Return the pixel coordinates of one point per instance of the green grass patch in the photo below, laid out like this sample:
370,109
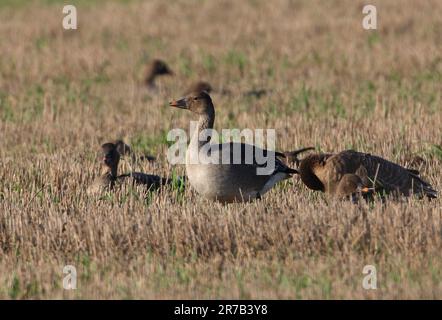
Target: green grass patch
150,144
237,60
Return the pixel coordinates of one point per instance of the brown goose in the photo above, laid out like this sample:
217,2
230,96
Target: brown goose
154,69
227,172
350,172
198,87
205,86
125,150
109,177
257,93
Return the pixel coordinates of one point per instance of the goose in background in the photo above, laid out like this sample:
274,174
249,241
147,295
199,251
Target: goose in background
155,69
207,87
109,177
125,150
198,87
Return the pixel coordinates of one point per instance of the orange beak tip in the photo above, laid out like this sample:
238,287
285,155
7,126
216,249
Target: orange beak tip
181,103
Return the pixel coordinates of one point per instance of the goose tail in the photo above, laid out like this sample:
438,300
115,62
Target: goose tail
430,192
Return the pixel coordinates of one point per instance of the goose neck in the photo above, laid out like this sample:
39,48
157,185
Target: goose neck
199,137
308,175
111,172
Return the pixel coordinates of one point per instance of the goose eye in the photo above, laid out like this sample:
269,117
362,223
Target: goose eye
195,98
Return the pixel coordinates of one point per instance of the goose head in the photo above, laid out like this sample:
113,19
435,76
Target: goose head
156,68
111,156
197,102
350,184
122,148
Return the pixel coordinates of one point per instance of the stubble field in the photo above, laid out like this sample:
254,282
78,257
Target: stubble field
333,86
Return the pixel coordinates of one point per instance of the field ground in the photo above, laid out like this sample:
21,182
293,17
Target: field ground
335,86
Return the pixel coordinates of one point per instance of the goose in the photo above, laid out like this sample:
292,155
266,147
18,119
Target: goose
109,177
154,69
125,150
351,172
207,87
198,87
206,168
257,93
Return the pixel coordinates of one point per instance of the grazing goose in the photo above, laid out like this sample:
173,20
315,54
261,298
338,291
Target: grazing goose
351,172
226,181
154,69
109,177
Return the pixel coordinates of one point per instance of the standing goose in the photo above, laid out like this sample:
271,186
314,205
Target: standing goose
226,172
109,177
154,69
350,172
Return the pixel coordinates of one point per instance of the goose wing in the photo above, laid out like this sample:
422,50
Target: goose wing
330,168
251,155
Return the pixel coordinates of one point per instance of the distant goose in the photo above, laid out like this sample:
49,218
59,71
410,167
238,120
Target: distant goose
351,172
226,182
154,69
109,177
125,150
207,87
257,93
198,87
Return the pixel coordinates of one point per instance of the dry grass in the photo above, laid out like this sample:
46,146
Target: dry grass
336,86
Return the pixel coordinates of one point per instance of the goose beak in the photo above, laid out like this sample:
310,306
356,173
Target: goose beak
367,190
181,103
